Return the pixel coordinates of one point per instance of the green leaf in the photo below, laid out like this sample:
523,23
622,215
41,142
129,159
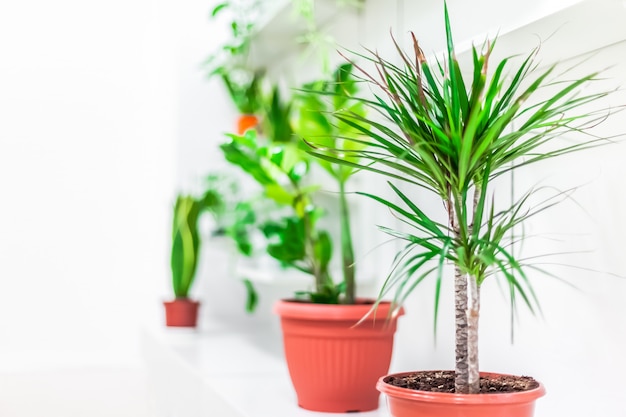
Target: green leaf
252,297
323,249
248,161
289,236
217,9
279,194
185,244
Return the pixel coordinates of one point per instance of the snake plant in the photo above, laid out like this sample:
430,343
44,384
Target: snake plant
185,244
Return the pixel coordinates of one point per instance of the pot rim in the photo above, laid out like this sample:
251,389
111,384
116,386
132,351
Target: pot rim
294,309
181,300
452,398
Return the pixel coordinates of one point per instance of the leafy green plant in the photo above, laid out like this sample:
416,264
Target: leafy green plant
279,165
244,14
244,88
230,61
317,122
185,244
453,139
276,124
232,215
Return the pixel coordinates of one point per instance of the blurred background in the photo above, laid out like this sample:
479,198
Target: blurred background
106,113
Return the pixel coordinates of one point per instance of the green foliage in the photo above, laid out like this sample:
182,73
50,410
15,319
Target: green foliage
185,244
243,15
229,62
244,219
279,167
453,141
252,298
452,136
290,244
245,90
319,105
277,118
218,198
232,217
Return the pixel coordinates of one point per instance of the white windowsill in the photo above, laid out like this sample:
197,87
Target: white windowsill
230,371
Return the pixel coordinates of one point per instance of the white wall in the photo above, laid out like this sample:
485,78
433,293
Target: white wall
87,142
205,112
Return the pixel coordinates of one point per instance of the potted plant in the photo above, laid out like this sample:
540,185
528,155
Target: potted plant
182,311
454,140
330,360
231,217
359,352
317,122
279,165
230,62
244,91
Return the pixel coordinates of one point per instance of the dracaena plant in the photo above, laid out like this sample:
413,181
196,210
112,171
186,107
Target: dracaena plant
317,123
280,165
452,133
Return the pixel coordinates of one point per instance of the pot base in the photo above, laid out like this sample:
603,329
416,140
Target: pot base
181,312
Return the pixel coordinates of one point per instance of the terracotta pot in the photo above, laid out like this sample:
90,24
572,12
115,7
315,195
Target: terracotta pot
333,364
405,402
181,312
245,122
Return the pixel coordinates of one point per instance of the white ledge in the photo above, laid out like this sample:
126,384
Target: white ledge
223,370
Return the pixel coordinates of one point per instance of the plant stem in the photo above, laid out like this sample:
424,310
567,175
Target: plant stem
309,244
472,335
467,380
347,251
466,305
461,369
473,312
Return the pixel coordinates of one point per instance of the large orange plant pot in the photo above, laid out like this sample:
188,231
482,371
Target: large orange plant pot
181,312
403,402
333,364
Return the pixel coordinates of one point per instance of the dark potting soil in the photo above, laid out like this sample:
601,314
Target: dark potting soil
443,381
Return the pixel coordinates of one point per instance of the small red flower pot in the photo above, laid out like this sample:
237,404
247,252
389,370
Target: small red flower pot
181,312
